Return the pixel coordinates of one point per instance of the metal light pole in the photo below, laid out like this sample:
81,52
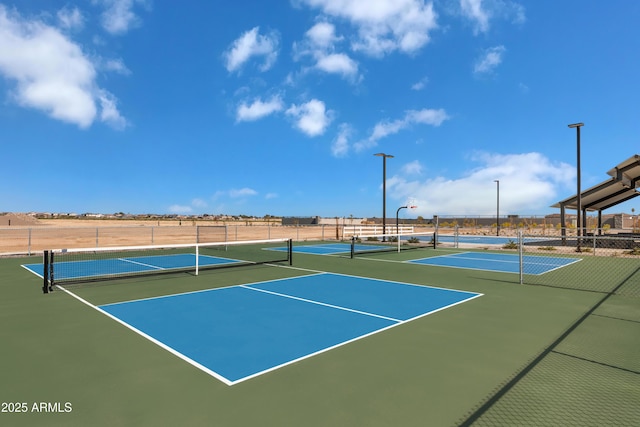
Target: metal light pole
384,190
579,195
497,181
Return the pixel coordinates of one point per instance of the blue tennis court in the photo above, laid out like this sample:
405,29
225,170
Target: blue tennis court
486,240
126,265
507,263
239,332
333,248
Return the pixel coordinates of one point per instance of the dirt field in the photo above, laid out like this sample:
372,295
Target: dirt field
23,234
38,235
17,219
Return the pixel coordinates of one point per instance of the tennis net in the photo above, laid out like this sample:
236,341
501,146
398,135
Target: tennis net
366,244
65,266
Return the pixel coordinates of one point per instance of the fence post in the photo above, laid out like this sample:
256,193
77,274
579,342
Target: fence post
521,255
455,236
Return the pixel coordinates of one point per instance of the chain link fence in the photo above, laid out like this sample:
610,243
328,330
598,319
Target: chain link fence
590,375
32,240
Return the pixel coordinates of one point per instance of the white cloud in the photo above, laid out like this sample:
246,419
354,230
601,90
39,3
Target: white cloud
508,10
118,16
323,34
270,196
481,12
412,168
197,205
312,118
239,194
340,146
529,182
489,60
70,19
426,116
473,10
110,113
385,128
242,192
515,12
319,44
338,63
251,44
52,73
383,25
421,84
117,66
180,209
258,109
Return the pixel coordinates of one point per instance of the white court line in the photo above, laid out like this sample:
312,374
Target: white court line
321,303
515,260
156,267
273,368
228,382
150,338
31,271
139,263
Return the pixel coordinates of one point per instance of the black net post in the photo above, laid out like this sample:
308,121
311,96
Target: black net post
353,246
45,273
51,275
290,250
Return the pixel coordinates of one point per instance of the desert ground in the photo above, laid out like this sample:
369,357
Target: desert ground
23,234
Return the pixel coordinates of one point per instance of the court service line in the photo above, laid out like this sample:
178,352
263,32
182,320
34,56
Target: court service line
365,313
490,260
140,263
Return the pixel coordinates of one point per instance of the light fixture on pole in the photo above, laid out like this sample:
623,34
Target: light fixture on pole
384,189
577,126
497,181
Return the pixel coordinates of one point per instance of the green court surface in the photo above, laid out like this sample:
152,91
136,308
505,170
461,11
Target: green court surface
534,354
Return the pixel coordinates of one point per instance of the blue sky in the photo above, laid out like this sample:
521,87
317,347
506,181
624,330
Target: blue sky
278,107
